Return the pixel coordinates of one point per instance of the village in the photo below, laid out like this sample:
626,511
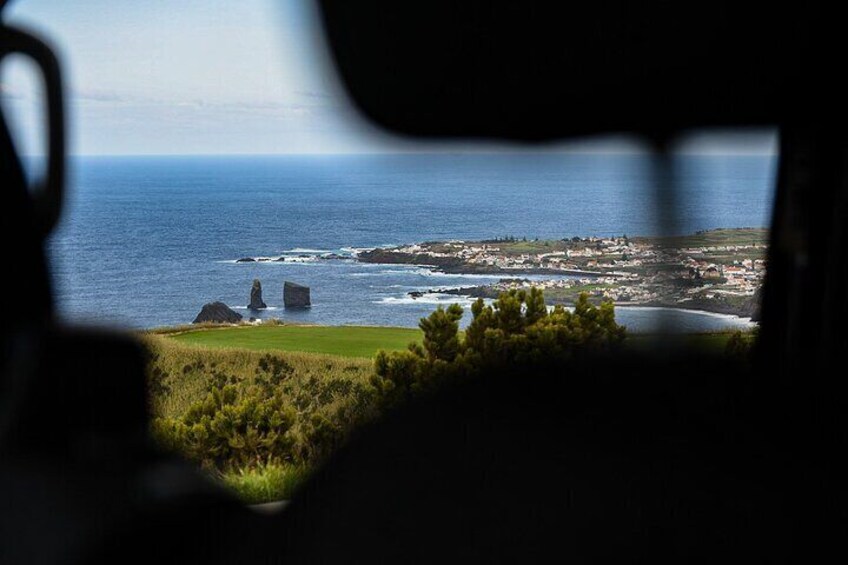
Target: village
717,270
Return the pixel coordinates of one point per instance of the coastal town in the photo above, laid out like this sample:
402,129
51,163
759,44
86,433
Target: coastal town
718,270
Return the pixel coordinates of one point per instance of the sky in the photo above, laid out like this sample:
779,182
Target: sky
164,77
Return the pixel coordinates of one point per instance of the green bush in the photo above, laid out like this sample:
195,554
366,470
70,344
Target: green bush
516,334
241,410
268,423
232,428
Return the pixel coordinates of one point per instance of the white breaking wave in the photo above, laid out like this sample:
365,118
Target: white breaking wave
440,275
307,250
356,250
500,276
255,260
389,272
293,256
485,277
437,299
310,259
432,274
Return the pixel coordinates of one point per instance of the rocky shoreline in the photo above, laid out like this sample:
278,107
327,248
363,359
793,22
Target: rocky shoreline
458,266
746,309
718,271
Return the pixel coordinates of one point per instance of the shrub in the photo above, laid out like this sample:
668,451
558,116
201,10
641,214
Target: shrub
517,333
232,428
241,410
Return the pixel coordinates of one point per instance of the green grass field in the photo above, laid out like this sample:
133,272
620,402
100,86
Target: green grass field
346,341
361,341
718,237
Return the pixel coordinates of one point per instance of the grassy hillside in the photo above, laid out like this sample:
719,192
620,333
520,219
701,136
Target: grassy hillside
326,396
347,341
717,237
706,238
323,396
182,374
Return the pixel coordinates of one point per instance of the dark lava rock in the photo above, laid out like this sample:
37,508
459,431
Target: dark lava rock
296,295
246,260
390,257
217,312
256,296
280,259
482,291
416,294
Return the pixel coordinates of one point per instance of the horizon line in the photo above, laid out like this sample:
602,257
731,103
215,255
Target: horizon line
646,152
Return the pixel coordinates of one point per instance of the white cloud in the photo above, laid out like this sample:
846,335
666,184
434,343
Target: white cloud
94,95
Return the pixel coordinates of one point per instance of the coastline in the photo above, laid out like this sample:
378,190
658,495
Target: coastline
716,271
725,313
181,329
453,266
748,320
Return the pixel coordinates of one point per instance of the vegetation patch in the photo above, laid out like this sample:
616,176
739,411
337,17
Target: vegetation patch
266,483
347,341
252,417
515,334
260,420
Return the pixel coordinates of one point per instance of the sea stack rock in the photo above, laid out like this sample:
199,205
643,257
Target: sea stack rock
217,312
256,296
296,295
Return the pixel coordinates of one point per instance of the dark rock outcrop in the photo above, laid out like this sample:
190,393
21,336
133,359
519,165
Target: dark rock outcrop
482,291
296,295
256,296
217,312
246,260
390,257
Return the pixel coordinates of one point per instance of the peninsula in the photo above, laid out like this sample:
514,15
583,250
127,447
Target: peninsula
718,270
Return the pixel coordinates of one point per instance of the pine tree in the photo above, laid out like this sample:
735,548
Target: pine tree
515,334
441,333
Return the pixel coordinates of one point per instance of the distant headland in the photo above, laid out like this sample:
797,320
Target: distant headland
719,270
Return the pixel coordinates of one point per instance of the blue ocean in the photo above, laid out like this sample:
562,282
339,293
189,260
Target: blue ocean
146,241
